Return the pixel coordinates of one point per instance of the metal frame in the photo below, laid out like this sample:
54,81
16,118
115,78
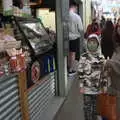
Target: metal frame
62,16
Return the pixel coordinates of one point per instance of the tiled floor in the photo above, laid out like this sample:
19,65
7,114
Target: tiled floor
72,108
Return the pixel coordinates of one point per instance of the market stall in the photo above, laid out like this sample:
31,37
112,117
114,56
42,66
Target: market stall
41,71
30,53
26,46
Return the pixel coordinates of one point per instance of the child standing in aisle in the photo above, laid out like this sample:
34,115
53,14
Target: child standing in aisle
89,70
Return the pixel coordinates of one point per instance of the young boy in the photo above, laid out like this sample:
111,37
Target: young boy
90,67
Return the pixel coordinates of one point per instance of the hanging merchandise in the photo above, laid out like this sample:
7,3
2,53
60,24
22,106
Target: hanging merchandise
7,7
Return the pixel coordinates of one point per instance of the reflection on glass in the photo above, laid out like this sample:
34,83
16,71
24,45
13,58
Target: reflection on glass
36,27
37,36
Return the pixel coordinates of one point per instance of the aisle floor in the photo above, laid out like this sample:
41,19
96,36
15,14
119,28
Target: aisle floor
72,109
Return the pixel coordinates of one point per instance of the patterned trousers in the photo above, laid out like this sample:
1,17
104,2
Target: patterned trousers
90,111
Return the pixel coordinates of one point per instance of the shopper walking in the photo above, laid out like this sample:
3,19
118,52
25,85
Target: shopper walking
114,65
93,28
89,71
75,30
102,22
106,39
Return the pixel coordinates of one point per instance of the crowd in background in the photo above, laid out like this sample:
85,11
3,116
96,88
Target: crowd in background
100,36
108,32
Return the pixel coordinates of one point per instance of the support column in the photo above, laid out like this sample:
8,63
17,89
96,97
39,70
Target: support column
62,17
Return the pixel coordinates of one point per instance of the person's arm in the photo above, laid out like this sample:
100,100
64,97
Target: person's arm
81,31
80,25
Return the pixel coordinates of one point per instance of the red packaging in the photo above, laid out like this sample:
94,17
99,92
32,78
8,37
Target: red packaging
21,59
13,63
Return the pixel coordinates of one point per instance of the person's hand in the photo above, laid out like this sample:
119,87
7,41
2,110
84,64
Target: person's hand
82,90
107,66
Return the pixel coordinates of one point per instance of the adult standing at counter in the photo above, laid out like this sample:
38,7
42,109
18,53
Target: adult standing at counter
75,33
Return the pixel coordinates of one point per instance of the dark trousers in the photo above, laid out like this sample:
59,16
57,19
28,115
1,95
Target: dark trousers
77,57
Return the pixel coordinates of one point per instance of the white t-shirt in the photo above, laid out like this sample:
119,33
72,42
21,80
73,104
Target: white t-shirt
75,26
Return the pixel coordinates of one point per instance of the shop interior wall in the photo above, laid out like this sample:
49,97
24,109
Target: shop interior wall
47,17
86,13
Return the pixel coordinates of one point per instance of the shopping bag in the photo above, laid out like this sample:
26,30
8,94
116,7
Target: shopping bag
106,106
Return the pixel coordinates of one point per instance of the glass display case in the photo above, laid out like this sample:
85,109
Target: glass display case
35,35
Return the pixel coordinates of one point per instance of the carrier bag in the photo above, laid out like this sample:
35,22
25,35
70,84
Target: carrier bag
106,106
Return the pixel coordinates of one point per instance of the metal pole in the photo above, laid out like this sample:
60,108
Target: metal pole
62,16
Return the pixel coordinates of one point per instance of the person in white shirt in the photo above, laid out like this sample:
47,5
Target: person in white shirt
75,31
